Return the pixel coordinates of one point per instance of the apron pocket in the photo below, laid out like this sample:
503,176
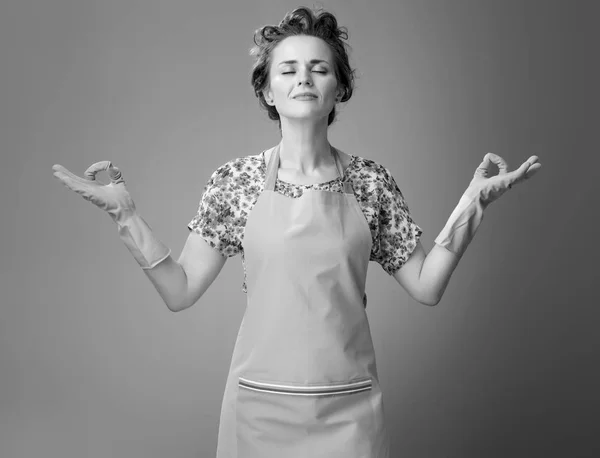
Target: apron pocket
307,390
276,420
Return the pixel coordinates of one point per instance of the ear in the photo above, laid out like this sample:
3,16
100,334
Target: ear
268,95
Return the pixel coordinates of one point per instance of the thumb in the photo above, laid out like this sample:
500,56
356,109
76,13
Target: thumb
115,174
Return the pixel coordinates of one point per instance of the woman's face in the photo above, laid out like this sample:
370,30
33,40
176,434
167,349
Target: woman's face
301,64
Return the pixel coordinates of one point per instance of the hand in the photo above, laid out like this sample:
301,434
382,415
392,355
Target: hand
490,189
113,197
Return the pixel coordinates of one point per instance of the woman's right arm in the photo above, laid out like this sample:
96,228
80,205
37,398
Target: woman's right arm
181,283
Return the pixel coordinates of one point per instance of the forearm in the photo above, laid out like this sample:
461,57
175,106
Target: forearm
170,280
437,269
154,257
450,245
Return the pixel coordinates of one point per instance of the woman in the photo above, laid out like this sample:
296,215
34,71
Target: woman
307,218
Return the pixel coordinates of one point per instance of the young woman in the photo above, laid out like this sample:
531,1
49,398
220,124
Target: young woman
307,219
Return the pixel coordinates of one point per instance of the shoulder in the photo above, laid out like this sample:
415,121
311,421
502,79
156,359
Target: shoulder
369,166
369,172
235,169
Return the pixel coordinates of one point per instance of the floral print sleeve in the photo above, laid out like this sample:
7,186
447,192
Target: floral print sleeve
216,220
397,234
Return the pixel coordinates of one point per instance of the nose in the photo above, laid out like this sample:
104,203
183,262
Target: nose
304,77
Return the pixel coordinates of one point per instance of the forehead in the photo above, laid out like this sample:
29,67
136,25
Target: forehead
301,48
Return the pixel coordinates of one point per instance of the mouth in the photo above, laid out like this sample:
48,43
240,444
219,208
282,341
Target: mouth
305,97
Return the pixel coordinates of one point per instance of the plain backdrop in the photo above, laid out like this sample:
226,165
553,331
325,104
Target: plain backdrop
93,364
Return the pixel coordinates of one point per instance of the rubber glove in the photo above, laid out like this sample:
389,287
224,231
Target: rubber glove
482,191
114,198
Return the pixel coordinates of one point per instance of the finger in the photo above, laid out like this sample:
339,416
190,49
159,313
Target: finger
500,163
66,176
489,158
483,169
532,159
516,176
93,169
532,170
76,184
115,175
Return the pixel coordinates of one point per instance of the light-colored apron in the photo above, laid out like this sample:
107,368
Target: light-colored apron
303,380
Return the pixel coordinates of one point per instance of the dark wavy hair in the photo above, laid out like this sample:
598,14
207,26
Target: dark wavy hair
301,21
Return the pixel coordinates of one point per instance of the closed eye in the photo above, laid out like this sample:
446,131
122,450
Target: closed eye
316,71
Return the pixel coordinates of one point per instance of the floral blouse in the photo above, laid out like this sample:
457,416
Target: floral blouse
234,188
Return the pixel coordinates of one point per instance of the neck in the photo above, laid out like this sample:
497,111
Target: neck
304,145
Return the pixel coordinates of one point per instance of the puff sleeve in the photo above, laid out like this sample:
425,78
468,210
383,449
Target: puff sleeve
215,220
397,234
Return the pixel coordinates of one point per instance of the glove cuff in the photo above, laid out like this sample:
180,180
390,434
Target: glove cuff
137,236
462,225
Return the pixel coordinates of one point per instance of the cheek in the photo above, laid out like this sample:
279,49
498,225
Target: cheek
278,84
331,87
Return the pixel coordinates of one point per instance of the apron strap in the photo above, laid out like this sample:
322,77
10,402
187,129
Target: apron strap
273,166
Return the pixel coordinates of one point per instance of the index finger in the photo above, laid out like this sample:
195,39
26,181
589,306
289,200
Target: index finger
500,163
93,169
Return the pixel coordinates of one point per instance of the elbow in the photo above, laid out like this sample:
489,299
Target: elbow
173,308
430,295
437,299
434,302
430,300
430,303
176,307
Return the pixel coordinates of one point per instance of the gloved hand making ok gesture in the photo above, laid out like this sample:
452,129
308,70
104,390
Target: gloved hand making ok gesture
488,189
482,191
114,198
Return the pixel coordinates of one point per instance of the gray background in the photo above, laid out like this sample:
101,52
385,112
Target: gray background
92,363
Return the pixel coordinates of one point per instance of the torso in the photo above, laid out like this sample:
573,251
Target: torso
235,187
329,173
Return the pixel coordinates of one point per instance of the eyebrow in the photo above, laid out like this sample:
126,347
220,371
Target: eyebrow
313,61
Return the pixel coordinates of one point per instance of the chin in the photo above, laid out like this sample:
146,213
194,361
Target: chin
305,115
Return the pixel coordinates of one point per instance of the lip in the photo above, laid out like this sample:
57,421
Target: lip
306,94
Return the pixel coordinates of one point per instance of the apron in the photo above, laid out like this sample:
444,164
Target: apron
303,380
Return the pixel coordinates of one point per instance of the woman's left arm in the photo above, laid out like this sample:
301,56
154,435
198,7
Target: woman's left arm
426,276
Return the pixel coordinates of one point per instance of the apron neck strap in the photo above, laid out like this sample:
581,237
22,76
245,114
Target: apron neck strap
273,166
